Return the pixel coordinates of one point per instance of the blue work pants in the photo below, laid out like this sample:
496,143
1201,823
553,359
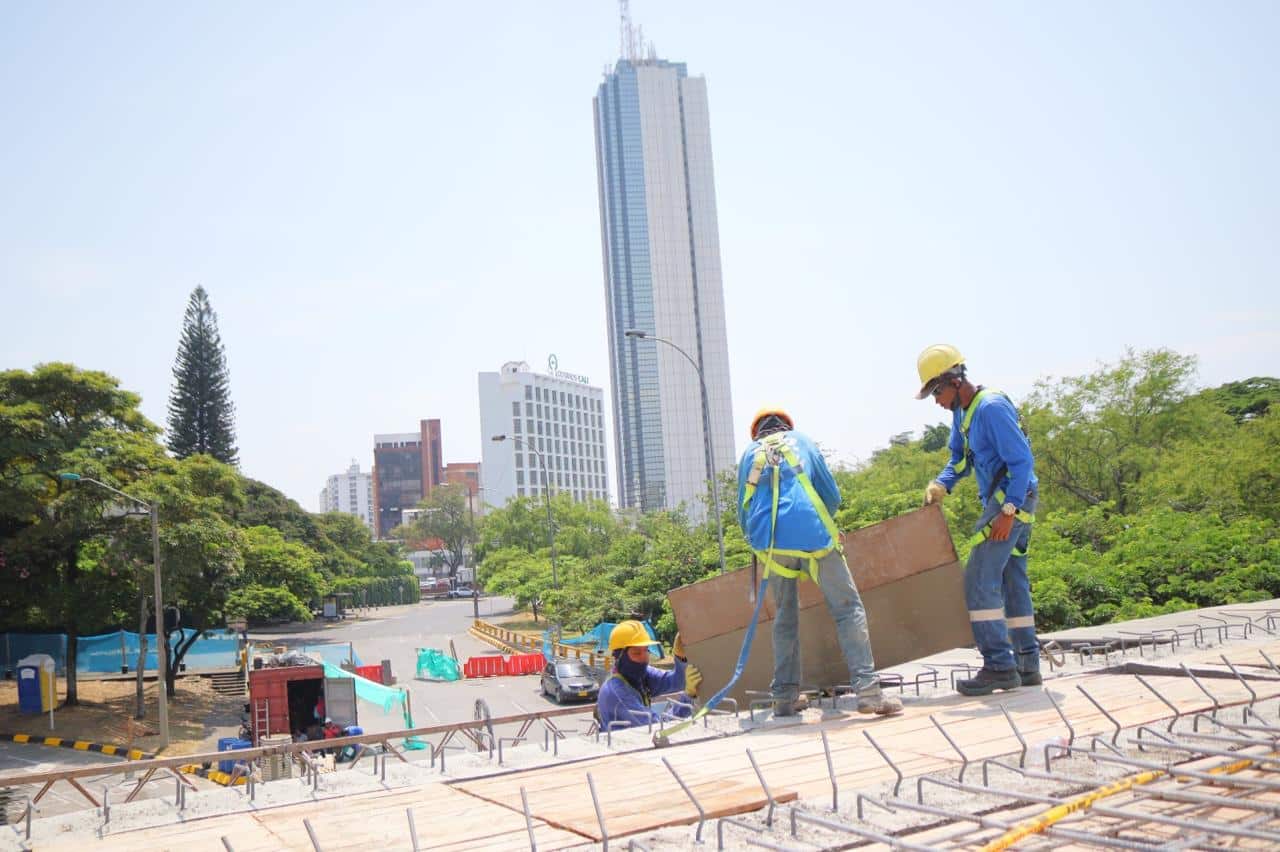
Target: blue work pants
998,595
845,605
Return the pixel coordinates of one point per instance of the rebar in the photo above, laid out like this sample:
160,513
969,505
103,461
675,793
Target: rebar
861,797
226,844
595,800
311,832
1112,719
413,829
702,815
897,786
528,820
1198,825
1177,714
106,805
964,759
1022,759
740,823
798,816
831,773
1071,732
768,820
1253,696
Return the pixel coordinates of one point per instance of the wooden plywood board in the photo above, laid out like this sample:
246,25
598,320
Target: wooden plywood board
921,614
444,819
635,794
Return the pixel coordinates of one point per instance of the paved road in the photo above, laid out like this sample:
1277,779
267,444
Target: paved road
394,633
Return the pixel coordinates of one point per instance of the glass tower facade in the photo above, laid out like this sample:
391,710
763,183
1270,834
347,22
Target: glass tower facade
661,258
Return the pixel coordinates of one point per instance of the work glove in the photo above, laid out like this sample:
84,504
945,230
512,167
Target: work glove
677,648
692,680
934,493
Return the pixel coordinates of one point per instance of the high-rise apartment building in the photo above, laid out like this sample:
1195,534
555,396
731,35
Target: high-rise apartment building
407,467
350,492
556,420
662,276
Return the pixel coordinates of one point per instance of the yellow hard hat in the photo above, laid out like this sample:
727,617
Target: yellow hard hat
766,412
933,362
629,634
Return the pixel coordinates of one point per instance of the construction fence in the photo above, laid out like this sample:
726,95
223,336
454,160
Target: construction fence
114,653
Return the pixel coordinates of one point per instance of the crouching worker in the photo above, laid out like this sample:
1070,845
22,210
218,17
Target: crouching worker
626,698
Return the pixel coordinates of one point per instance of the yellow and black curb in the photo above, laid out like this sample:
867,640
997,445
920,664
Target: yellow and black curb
217,776
79,745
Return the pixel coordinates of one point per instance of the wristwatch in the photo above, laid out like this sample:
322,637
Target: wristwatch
1009,509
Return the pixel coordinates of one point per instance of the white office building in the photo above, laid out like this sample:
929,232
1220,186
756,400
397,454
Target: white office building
350,492
554,419
661,249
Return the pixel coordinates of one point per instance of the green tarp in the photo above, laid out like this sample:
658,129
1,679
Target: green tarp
435,665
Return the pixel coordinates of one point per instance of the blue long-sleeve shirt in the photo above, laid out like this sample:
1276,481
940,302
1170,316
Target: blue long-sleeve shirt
996,440
619,701
799,525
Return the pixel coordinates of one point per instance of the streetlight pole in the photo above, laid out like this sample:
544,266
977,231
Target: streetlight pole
546,491
637,334
162,643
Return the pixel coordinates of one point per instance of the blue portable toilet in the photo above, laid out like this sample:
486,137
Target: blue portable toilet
37,684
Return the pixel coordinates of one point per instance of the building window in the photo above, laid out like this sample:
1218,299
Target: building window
515,409
519,459
519,477
528,409
515,425
528,391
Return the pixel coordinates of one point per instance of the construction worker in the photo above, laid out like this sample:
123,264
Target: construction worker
987,439
626,698
786,497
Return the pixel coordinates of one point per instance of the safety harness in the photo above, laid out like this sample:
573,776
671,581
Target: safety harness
961,466
773,451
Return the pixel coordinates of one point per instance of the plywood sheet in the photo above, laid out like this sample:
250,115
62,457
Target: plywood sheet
921,614
635,794
444,819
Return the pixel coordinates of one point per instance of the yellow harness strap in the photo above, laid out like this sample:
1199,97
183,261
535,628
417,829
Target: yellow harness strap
775,449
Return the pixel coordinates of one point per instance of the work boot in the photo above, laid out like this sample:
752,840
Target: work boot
988,681
783,707
1031,678
875,701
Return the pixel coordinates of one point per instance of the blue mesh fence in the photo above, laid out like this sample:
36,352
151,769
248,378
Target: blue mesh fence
18,645
108,652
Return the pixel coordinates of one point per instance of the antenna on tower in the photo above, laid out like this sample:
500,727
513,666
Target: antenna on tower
626,32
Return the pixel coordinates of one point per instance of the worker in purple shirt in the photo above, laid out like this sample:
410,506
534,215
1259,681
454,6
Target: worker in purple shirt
626,698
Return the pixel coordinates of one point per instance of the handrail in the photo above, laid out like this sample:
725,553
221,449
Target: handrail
283,748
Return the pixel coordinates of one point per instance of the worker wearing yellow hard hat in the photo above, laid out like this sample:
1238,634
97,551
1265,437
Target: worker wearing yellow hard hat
786,496
626,697
987,439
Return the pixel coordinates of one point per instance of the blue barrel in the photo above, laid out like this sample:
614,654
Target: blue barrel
230,744
353,731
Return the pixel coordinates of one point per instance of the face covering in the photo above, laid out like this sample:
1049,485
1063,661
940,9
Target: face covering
630,669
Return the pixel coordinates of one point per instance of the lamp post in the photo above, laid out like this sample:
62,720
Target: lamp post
546,490
637,334
162,644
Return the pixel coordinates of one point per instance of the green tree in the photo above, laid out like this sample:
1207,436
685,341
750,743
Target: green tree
446,517
271,561
53,533
201,414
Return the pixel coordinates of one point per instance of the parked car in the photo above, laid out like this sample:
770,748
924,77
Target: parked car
439,586
569,680
462,591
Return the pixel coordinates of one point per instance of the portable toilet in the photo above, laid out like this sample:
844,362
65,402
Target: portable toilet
37,684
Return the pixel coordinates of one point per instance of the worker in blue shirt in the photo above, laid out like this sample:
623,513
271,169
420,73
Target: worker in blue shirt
786,500
626,697
987,440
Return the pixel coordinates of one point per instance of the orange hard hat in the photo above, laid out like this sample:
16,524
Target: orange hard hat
768,411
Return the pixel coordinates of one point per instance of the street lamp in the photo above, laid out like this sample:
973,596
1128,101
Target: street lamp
546,490
637,334
162,644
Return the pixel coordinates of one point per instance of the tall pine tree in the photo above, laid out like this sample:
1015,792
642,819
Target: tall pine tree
201,415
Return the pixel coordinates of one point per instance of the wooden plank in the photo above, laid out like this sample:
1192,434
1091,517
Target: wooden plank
444,819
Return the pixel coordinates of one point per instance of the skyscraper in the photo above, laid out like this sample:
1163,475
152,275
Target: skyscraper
350,492
661,249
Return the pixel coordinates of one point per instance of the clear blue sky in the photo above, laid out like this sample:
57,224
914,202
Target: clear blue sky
384,199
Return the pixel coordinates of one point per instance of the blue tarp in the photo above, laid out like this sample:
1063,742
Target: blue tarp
599,637
107,652
335,654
